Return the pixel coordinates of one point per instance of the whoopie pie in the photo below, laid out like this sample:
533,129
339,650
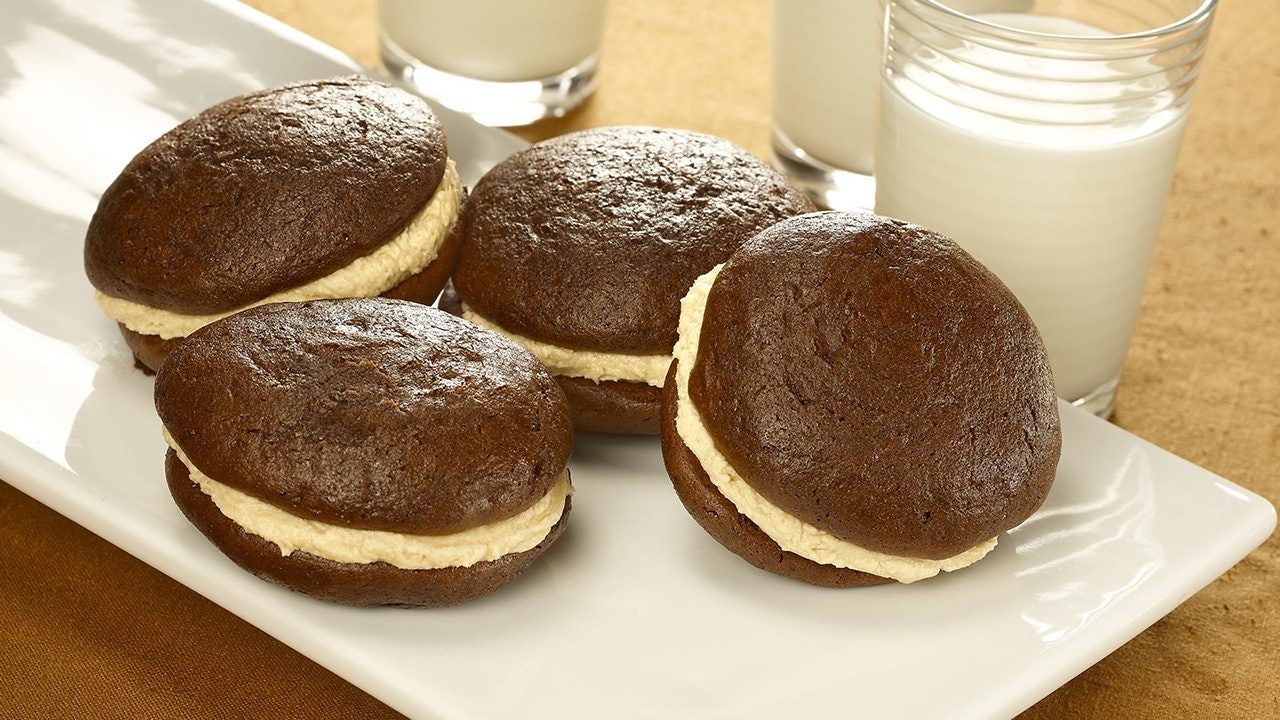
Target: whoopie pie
580,248
856,400
329,188
366,451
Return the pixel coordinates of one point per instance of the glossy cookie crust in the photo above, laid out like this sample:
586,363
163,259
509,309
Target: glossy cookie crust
265,192
589,240
872,379
371,414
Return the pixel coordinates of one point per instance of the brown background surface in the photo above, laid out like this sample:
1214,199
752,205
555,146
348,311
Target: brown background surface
87,631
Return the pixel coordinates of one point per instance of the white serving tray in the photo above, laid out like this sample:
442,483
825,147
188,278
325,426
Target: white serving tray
635,612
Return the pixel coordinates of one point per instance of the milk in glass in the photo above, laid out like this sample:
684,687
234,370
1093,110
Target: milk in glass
497,40
1066,214
825,78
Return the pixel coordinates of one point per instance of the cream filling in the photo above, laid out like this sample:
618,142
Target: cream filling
790,532
410,552
590,364
404,255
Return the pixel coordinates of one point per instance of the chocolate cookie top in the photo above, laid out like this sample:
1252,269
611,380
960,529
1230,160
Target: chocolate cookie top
871,378
590,240
265,192
372,413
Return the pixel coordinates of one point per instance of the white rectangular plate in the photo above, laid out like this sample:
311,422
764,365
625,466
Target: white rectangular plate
635,612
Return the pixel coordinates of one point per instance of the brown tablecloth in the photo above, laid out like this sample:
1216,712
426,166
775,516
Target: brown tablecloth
88,631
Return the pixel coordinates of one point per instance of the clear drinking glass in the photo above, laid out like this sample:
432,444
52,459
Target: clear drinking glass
504,62
1044,142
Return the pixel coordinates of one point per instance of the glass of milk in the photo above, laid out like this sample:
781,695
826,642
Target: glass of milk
504,62
1044,142
826,60
826,76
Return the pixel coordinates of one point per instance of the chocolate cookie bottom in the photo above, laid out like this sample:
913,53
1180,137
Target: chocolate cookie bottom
721,519
149,351
370,584
610,406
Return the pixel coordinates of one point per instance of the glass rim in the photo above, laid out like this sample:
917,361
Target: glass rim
1191,20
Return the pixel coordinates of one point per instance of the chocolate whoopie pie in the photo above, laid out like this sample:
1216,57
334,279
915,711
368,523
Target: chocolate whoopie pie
580,247
366,451
328,188
856,400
